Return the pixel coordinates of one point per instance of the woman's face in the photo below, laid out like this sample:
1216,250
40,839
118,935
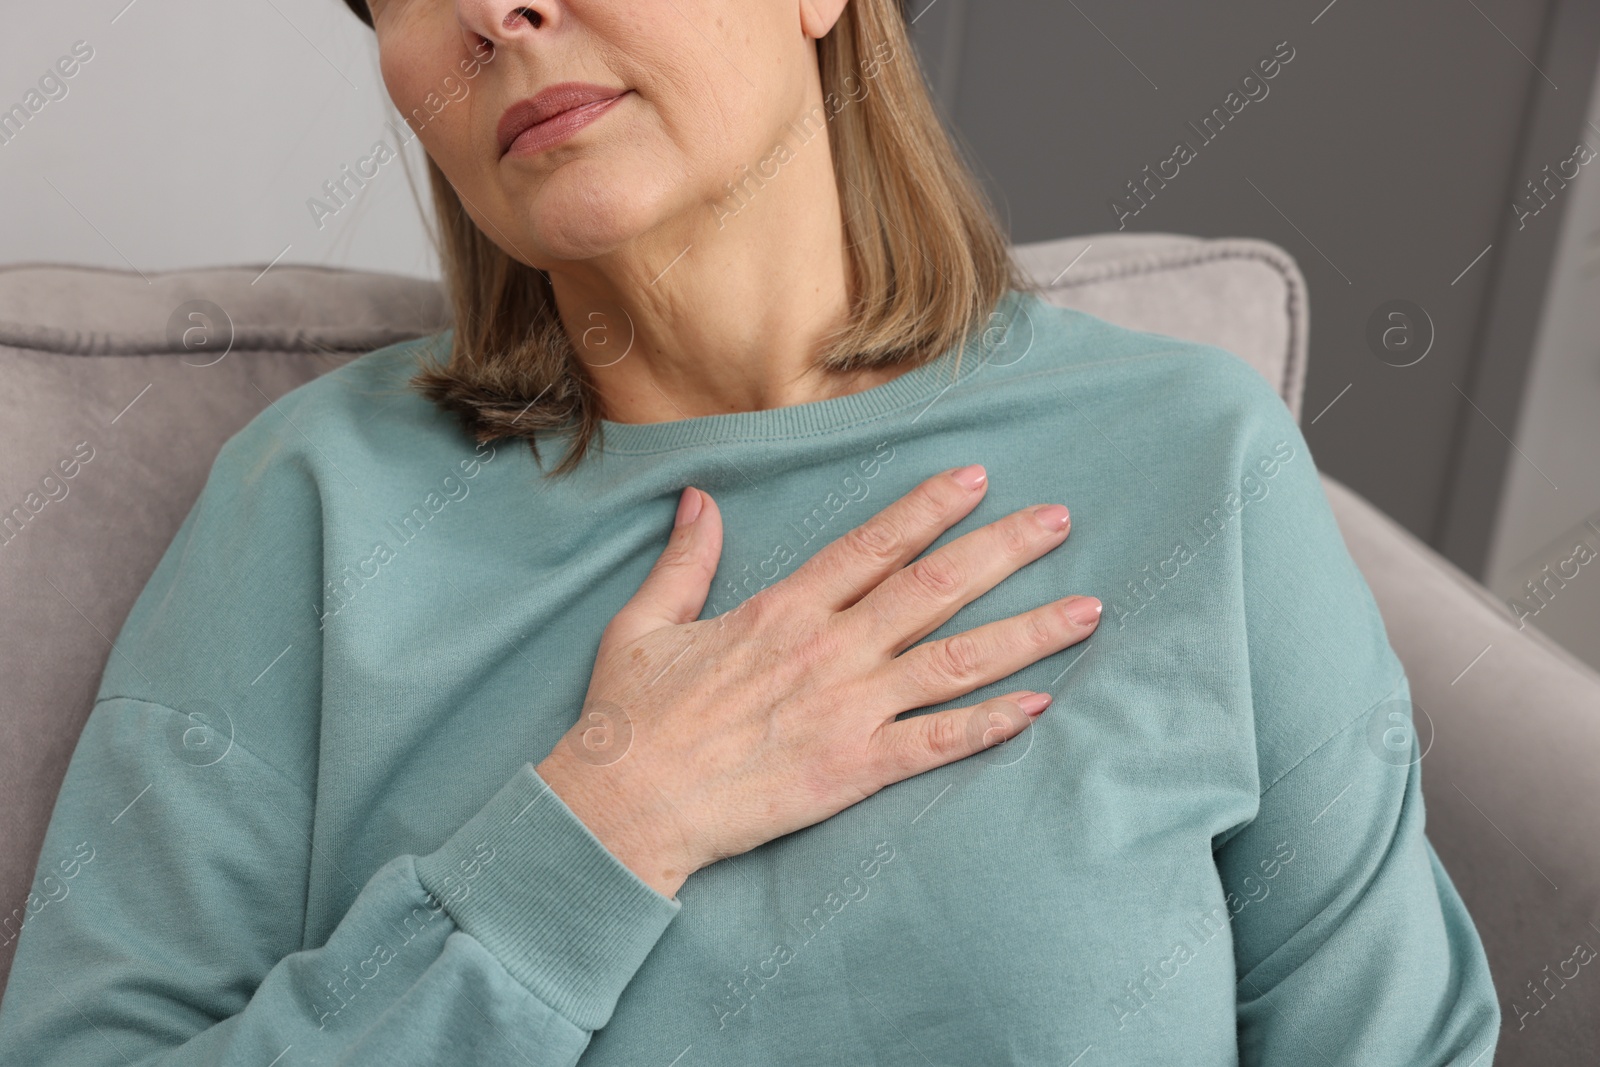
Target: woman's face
707,86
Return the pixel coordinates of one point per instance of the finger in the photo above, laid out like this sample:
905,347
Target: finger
915,601
907,747
846,569
676,588
941,670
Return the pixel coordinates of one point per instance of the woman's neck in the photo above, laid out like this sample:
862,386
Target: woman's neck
726,308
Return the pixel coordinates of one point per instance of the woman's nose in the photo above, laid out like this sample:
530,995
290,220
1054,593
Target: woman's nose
499,21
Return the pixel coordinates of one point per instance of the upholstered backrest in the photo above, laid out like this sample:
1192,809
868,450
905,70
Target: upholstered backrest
1241,294
103,381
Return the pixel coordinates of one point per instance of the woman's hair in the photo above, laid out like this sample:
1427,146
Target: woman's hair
928,260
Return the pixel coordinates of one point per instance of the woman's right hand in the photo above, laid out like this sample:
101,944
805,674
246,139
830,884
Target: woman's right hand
701,739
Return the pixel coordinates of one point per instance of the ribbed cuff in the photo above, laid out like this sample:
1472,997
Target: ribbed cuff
533,884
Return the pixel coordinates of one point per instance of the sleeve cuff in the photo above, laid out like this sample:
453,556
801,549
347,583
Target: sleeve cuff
531,882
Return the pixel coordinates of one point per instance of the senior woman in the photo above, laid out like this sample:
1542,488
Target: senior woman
414,751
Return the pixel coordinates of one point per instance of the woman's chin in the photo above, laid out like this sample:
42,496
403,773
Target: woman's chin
578,216
570,241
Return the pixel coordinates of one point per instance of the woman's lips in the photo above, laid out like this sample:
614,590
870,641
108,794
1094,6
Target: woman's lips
557,128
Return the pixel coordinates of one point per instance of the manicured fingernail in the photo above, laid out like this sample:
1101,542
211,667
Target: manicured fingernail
1034,703
1083,610
1053,517
971,476
688,507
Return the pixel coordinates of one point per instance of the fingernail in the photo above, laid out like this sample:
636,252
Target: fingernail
1083,610
688,507
1053,517
1034,703
970,477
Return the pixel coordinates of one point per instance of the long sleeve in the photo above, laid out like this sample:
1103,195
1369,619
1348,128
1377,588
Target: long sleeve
177,940
174,878
1351,944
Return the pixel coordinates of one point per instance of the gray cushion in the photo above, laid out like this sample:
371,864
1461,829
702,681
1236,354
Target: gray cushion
1240,294
1509,780
87,361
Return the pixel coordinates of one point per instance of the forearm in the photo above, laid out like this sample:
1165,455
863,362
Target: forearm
182,943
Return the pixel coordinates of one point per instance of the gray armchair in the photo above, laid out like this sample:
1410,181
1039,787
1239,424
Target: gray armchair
99,383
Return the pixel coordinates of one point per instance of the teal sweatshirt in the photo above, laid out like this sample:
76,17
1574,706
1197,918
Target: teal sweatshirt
302,825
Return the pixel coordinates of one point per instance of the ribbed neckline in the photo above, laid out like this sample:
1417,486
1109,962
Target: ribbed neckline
800,420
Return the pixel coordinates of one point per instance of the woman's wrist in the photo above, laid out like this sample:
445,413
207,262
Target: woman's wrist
642,842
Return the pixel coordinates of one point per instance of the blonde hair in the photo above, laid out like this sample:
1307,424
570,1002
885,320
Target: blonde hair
928,260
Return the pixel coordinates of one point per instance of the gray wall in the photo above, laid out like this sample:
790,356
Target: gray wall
1384,157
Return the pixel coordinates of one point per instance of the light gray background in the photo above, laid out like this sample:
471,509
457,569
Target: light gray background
196,135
